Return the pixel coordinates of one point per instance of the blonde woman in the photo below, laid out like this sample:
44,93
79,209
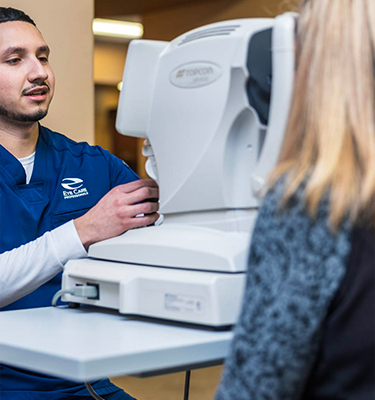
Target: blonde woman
307,326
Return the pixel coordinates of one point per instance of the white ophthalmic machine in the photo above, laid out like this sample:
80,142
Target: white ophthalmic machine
213,104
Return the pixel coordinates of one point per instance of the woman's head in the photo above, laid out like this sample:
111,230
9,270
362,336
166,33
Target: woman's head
330,139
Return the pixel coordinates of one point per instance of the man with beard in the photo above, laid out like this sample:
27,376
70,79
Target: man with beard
56,198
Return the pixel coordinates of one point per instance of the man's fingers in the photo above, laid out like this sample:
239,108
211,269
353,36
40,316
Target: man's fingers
147,220
116,212
137,191
136,185
142,195
140,208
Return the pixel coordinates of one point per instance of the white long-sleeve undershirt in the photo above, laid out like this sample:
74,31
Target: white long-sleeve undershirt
25,268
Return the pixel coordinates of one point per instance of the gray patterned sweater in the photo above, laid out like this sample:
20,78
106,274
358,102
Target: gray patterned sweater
295,268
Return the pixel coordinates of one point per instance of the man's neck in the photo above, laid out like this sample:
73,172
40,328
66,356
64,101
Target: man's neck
20,140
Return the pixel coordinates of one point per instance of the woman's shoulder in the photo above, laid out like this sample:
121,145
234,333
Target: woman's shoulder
305,247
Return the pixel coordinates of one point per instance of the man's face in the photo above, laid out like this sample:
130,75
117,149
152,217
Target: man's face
26,78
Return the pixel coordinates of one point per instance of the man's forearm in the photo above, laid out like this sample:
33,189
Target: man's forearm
27,267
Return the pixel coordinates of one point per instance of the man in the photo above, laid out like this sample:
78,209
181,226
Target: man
56,198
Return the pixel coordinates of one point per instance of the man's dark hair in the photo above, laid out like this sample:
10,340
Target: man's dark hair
12,14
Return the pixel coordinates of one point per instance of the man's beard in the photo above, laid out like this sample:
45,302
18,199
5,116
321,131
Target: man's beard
19,117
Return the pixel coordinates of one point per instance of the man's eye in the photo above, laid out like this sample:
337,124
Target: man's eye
13,61
43,60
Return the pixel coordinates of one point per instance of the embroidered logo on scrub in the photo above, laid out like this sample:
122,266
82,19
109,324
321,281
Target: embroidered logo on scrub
73,188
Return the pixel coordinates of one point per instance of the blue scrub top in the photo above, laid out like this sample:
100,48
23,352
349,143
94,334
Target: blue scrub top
67,180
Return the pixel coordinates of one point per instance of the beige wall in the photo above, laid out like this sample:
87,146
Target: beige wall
66,27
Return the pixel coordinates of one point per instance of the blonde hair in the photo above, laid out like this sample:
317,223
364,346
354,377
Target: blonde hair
330,137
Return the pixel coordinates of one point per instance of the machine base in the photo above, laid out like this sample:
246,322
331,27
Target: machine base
197,297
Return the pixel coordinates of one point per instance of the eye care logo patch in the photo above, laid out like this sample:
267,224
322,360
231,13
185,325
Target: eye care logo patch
73,188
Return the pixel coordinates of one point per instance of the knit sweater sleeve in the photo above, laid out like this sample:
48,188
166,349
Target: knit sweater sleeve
294,270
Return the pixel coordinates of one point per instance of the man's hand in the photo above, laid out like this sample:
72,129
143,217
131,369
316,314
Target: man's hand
116,212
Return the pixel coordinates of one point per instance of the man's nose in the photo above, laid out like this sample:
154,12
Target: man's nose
37,71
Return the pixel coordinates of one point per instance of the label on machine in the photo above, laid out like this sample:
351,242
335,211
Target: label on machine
182,303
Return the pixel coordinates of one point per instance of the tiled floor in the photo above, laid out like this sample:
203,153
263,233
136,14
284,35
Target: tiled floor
203,383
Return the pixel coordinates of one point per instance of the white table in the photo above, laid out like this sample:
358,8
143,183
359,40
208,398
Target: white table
89,343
